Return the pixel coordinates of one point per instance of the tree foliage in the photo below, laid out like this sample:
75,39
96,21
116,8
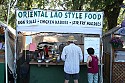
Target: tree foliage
3,10
111,8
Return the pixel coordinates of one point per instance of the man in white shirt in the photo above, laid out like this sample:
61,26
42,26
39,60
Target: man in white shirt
72,55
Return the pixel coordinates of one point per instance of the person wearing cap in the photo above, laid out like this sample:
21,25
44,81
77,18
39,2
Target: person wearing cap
72,56
92,64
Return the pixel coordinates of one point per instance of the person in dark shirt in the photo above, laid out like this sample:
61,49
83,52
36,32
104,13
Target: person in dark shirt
46,51
92,64
61,46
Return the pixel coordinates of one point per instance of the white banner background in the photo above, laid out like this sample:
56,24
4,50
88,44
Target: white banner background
59,18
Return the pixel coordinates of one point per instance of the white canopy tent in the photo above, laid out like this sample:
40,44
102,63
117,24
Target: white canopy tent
9,47
59,21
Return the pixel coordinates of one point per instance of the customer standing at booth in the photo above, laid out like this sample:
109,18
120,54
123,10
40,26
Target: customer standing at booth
72,55
46,51
92,64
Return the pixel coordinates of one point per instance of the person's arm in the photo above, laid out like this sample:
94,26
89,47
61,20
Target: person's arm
63,55
88,60
81,55
98,60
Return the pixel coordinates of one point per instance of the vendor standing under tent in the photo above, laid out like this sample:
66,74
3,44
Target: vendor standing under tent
72,55
46,51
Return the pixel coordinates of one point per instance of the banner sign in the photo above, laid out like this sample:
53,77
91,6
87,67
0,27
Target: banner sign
59,18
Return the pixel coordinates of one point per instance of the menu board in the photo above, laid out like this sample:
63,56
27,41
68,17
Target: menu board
93,42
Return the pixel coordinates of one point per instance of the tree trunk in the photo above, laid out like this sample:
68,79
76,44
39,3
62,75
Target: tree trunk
112,18
112,12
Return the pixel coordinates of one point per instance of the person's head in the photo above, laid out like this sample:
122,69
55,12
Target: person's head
71,39
90,51
45,46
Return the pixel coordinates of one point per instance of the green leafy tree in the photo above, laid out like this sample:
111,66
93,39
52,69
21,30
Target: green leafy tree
3,10
111,9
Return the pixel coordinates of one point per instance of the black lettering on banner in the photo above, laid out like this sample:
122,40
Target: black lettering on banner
21,22
56,22
31,21
82,22
78,22
94,23
73,22
53,22
43,21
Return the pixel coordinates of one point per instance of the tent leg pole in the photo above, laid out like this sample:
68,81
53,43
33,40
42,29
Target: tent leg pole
6,71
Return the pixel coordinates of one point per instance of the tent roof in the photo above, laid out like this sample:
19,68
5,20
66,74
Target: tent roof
111,31
59,29
9,28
